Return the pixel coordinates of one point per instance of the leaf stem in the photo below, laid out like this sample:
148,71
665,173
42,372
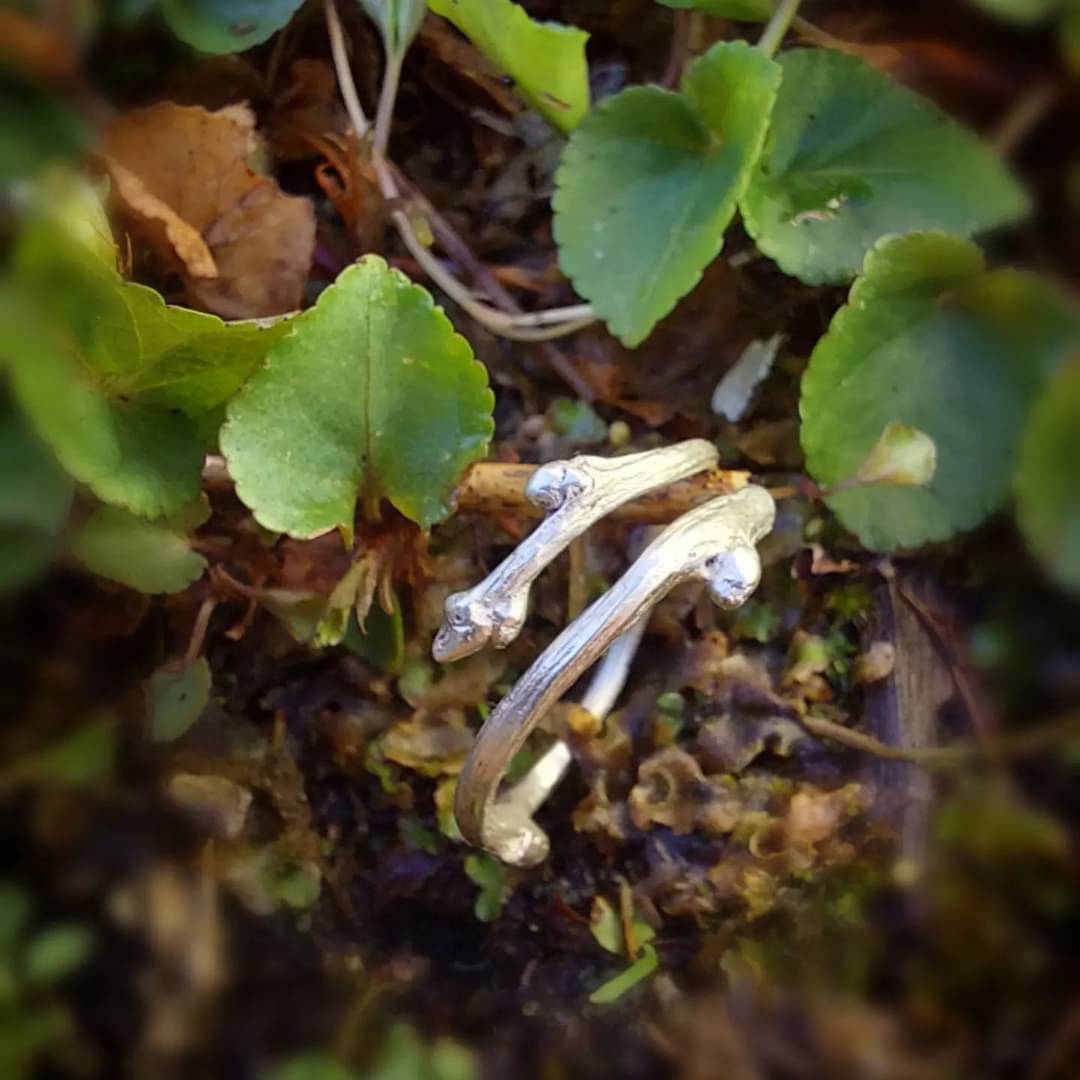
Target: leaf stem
526,326
387,97
777,26
346,84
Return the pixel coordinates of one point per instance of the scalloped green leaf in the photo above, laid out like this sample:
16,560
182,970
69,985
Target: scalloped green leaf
35,496
853,156
649,183
60,355
112,377
738,10
190,361
371,394
546,60
927,339
150,556
227,26
1048,479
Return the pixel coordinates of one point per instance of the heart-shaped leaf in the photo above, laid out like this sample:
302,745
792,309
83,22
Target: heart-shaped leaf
1048,480
650,180
371,394
852,156
545,60
151,556
227,26
928,340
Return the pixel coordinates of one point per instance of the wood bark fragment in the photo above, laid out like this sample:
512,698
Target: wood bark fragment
494,488
499,489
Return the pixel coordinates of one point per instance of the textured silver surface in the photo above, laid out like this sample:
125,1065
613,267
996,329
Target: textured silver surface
576,493
715,543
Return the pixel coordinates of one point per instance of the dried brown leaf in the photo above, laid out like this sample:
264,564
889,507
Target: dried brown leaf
160,226
730,744
197,164
428,743
671,790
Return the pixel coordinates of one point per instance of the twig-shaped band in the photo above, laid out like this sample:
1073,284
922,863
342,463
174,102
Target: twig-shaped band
576,493
715,543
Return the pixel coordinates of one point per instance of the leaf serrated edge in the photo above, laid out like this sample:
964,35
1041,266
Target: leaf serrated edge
573,152
786,260
479,376
474,375
813,386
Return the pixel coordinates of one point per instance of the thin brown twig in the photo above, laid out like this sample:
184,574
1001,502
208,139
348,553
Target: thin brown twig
1018,744
491,487
495,488
452,243
526,326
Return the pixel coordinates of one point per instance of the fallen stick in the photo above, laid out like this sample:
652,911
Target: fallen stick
490,487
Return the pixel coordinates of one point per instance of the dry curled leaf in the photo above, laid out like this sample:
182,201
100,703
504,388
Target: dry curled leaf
183,175
814,817
730,744
671,790
161,226
429,743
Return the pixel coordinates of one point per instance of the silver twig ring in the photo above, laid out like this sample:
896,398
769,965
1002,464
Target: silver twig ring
577,493
715,542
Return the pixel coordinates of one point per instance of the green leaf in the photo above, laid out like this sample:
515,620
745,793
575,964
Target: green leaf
111,376
370,393
151,556
925,341
176,699
853,156
1048,479
57,952
62,350
739,10
490,875
649,183
625,981
35,496
227,26
65,208
191,361
397,20
545,60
